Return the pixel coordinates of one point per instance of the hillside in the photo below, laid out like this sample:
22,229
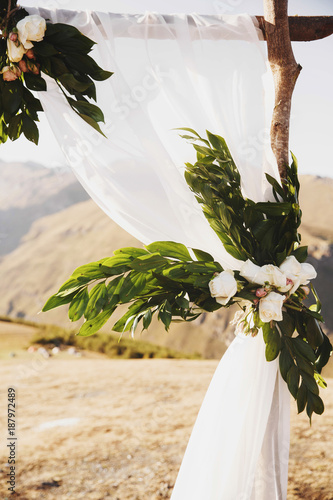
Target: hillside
51,247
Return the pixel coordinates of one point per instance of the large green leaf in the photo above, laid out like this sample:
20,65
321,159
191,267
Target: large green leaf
170,249
78,305
98,297
29,128
92,326
34,82
57,301
133,285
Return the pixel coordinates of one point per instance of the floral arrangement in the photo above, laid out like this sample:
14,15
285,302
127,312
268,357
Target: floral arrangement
176,283
31,46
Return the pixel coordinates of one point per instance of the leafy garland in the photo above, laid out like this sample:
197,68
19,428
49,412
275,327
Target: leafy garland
176,283
30,46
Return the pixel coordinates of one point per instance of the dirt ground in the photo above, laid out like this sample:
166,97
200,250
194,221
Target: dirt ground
96,428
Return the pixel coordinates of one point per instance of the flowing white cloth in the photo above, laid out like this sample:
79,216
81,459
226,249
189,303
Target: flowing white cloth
203,72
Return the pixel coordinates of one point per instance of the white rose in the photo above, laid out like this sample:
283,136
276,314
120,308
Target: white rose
223,287
31,29
261,275
298,273
270,307
15,53
308,272
250,271
273,275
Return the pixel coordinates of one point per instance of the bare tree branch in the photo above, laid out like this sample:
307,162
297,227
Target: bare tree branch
305,28
285,72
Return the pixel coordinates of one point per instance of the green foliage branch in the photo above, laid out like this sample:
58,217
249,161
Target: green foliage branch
171,281
62,55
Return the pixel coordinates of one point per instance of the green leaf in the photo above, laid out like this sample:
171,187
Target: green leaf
92,326
78,305
166,317
287,325
34,82
302,397
315,404
88,109
147,318
12,96
274,209
314,333
133,252
116,265
15,127
29,128
323,354
274,183
273,342
304,349
126,321
133,285
202,256
92,123
285,362
98,297
70,82
170,249
235,252
149,262
93,270
310,383
293,380
56,301
320,380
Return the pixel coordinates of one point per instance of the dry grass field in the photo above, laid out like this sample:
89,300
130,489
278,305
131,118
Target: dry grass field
95,428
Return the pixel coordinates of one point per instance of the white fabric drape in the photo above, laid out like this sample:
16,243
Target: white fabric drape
203,72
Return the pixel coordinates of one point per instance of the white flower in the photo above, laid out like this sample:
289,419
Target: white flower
270,307
223,287
298,273
31,29
263,274
15,52
250,271
273,275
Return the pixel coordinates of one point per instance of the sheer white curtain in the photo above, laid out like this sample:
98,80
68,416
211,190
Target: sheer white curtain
203,72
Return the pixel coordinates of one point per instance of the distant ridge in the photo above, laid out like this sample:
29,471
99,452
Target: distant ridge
51,231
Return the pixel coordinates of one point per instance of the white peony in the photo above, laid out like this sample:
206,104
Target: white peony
261,275
223,287
298,273
15,52
270,307
31,29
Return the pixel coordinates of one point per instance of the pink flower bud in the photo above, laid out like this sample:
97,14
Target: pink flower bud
255,302
13,37
9,76
23,66
30,54
35,69
305,289
261,292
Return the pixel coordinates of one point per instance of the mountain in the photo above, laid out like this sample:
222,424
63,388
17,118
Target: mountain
29,191
73,232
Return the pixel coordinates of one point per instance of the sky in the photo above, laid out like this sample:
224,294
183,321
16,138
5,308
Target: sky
312,109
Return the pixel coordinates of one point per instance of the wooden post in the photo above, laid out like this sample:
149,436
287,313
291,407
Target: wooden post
285,72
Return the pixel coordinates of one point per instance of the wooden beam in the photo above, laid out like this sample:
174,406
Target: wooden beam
304,28
285,72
